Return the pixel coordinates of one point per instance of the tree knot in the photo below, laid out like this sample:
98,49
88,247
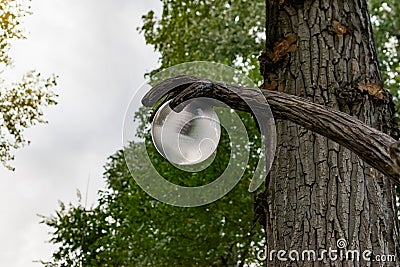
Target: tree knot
339,28
372,89
283,47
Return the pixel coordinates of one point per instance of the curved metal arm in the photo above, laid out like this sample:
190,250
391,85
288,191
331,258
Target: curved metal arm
374,147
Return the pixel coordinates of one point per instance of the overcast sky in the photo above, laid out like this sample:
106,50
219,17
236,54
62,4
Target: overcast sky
94,47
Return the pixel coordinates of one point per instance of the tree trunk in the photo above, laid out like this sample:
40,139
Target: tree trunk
320,192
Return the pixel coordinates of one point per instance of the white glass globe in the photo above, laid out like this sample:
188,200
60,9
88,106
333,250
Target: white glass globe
188,137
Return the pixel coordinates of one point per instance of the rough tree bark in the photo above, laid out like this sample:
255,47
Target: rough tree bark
320,192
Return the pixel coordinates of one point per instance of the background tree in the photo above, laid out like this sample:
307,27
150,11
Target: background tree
127,222
21,102
228,32
130,228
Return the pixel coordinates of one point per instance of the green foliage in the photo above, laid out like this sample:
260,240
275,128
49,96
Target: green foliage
228,32
11,12
21,106
21,102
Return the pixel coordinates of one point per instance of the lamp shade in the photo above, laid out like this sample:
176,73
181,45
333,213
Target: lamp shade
187,137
